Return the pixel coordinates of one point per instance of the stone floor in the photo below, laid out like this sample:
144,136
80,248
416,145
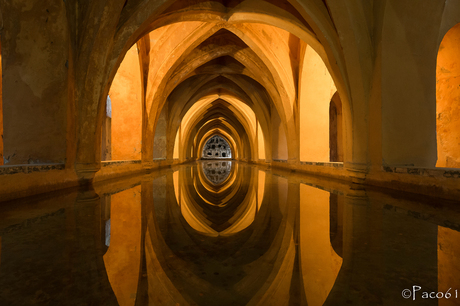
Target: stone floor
229,234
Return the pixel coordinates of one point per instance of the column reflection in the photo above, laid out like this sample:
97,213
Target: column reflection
222,234
319,261
122,259
258,238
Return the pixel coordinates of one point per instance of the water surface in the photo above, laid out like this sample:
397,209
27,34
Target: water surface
228,233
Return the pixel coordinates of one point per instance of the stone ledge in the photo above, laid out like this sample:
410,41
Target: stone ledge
30,168
324,164
119,162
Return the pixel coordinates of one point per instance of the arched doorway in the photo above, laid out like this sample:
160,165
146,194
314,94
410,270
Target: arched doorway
122,123
319,111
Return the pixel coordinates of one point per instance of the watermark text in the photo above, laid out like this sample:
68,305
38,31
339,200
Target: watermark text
416,292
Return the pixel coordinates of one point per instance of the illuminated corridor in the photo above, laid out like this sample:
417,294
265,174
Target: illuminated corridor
109,90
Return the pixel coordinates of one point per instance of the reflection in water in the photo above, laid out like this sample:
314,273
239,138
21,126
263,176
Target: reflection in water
320,262
218,210
177,238
107,233
217,172
448,264
122,259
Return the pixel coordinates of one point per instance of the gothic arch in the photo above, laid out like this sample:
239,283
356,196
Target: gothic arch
136,19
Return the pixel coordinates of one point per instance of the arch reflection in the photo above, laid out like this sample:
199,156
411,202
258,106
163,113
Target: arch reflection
217,172
254,238
221,209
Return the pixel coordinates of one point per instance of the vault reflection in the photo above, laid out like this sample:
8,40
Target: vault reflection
259,237
217,172
222,233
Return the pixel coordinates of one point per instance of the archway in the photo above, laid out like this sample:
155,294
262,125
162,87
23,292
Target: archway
316,88
122,123
448,100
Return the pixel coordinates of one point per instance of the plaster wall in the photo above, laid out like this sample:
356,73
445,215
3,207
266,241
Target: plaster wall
106,143
279,142
316,91
160,142
448,100
176,144
126,94
35,58
261,144
409,48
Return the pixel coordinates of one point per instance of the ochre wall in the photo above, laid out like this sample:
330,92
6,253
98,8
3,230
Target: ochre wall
176,144
316,90
159,142
35,59
448,100
106,143
261,145
125,94
408,43
279,142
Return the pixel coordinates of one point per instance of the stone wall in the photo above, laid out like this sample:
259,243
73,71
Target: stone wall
35,59
216,148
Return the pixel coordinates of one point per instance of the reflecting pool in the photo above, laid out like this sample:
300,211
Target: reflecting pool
229,233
